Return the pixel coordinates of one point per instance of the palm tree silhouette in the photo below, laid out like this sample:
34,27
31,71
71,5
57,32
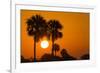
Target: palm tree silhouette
56,48
36,27
54,30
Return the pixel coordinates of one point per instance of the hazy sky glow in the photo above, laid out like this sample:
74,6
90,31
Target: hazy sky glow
75,33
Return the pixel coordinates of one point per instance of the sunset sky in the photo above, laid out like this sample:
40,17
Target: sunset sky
75,33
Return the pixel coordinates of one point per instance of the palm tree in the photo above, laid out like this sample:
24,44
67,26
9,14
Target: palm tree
36,27
56,48
54,28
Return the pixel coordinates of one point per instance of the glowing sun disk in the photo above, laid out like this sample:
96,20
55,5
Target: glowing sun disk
44,44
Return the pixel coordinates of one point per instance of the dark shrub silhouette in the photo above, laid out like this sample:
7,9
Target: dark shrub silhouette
66,56
85,57
56,58
36,27
23,60
46,57
49,57
54,27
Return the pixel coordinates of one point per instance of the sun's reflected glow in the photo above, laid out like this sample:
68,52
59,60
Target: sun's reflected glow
44,44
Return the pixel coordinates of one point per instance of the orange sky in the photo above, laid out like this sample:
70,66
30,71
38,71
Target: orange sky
75,33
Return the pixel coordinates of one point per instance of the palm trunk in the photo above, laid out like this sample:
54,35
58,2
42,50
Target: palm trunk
55,52
34,49
52,46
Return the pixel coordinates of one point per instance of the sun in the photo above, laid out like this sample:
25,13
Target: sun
44,44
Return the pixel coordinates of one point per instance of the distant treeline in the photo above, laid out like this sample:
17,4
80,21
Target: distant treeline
48,57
